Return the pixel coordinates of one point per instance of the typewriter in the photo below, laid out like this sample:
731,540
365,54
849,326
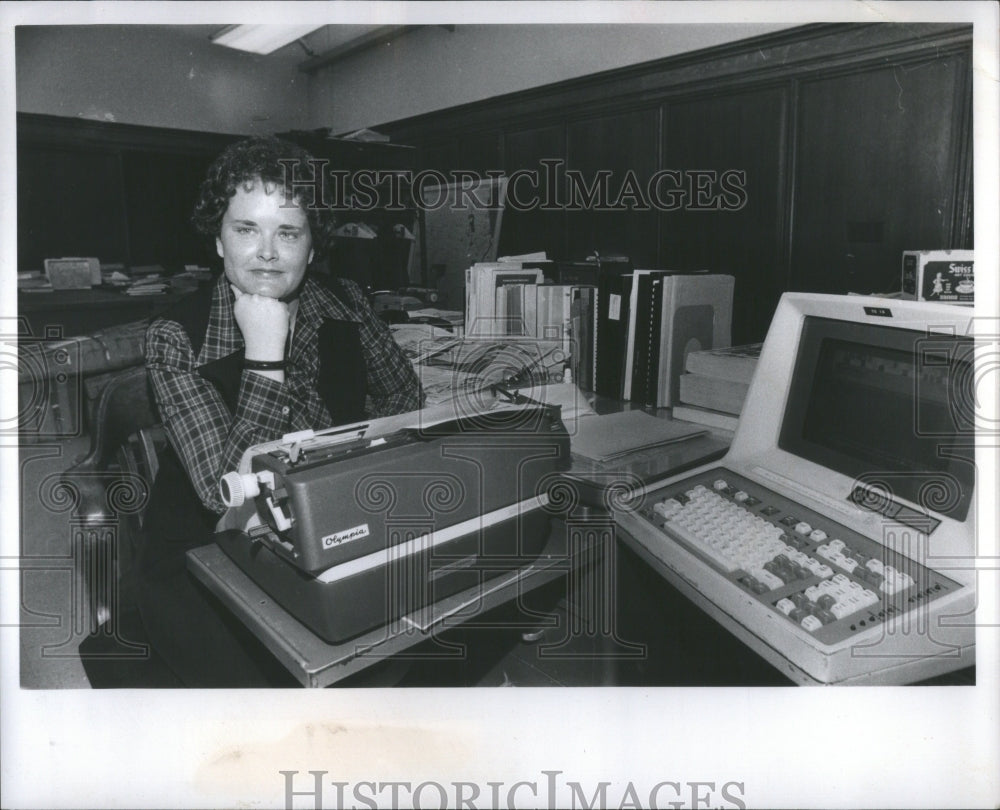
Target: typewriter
351,528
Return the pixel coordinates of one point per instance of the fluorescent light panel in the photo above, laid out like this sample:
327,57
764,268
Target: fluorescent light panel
260,38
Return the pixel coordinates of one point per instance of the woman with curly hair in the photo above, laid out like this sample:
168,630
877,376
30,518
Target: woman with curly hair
266,350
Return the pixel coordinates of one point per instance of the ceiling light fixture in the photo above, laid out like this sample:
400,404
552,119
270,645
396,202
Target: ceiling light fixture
261,39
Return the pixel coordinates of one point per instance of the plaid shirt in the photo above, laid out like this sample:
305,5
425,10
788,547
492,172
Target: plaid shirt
208,438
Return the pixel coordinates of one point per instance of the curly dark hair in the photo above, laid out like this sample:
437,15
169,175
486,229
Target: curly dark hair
271,160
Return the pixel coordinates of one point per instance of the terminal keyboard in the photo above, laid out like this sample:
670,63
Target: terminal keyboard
825,578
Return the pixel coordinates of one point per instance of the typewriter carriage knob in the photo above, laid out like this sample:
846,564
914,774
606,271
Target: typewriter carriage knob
235,489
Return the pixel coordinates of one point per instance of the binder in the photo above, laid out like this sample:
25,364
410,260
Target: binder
639,336
647,338
697,313
613,293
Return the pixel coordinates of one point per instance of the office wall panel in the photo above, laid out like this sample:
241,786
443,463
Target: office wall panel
854,140
533,220
160,193
70,203
725,196
119,192
613,161
878,171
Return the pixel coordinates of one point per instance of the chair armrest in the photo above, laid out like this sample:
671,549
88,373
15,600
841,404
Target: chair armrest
124,407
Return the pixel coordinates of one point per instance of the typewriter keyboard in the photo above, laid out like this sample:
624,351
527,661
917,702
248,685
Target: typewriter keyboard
824,577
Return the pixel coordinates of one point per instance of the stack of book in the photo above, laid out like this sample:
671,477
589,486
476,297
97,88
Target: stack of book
587,309
147,286
583,311
491,309
146,280
517,298
715,385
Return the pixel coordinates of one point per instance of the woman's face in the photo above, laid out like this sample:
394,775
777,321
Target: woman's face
265,242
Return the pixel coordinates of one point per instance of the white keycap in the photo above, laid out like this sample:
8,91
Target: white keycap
841,609
840,591
768,578
786,606
667,508
811,623
875,565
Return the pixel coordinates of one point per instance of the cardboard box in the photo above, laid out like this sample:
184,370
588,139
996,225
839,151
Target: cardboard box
939,275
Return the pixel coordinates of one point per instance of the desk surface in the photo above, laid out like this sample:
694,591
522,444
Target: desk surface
314,662
95,297
81,312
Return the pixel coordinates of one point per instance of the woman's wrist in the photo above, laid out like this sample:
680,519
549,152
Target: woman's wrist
265,354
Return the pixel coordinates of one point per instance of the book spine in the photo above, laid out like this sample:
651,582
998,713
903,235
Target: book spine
470,298
581,338
566,318
594,337
607,379
652,332
531,309
628,284
515,309
630,336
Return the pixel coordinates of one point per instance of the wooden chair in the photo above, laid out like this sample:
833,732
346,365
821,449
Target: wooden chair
111,485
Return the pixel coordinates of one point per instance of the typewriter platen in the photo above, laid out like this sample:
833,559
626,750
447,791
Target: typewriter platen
351,528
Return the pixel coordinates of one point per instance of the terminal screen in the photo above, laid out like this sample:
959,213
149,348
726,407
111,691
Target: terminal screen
886,405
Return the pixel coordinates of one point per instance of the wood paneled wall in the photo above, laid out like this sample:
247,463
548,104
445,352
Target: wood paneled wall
120,192
854,141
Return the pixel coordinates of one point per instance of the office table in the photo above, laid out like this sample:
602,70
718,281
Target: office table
573,546
66,313
316,663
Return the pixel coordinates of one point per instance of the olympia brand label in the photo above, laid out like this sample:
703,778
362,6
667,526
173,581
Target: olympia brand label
346,536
